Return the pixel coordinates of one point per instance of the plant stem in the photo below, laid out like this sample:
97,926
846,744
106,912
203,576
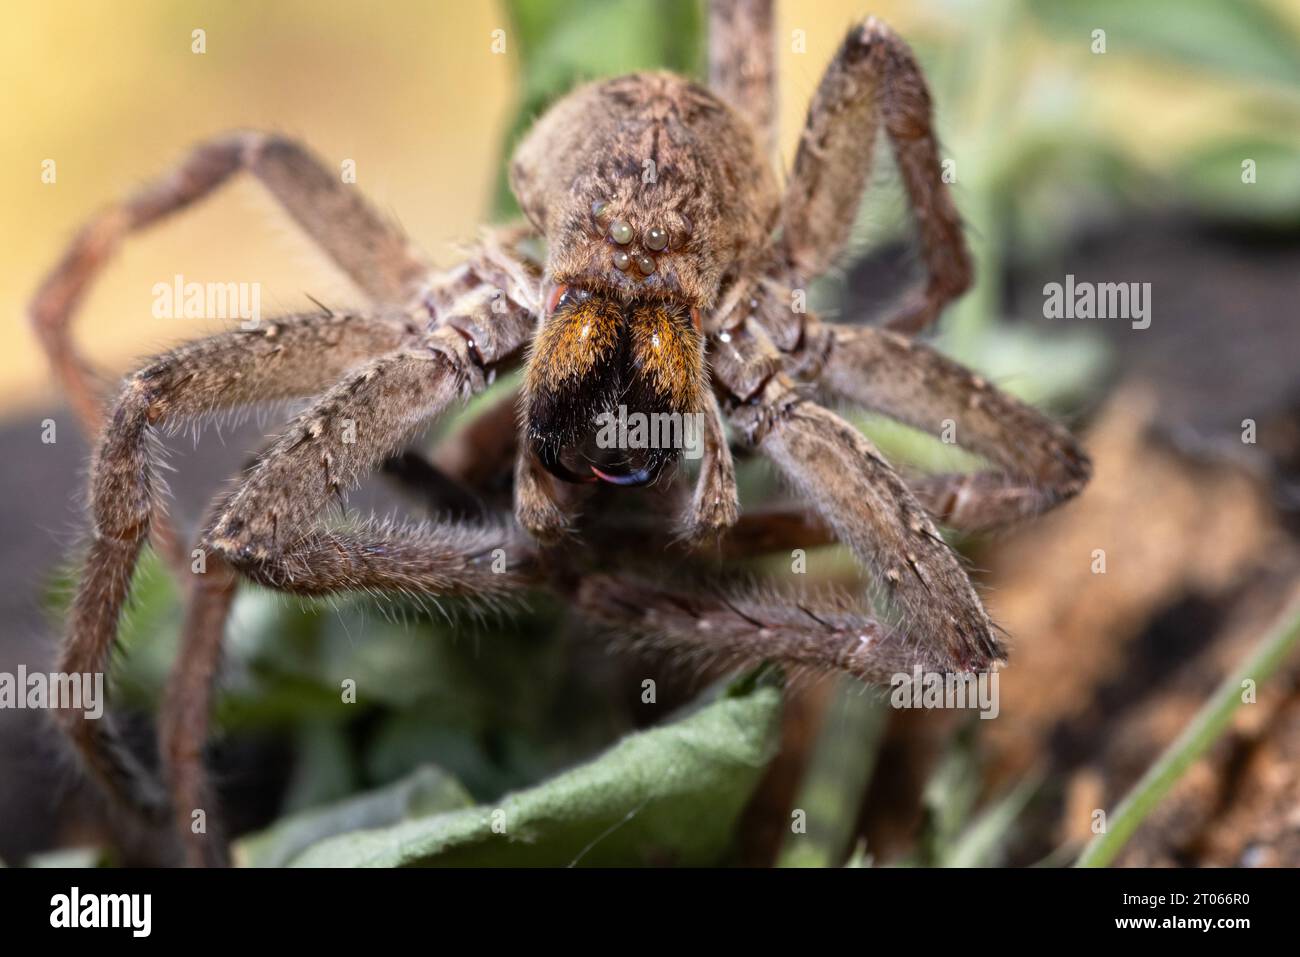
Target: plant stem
1195,740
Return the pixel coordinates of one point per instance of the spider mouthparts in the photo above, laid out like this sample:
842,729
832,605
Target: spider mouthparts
624,474
549,456
641,476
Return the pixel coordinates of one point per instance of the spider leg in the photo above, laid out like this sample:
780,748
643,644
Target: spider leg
372,251
418,559
873,81
1040,462
430,486
184,718
715,628
482,313
287,358
369,249
870,508
715,504
482,453
742,62
269,529
421,559
774,529
537,501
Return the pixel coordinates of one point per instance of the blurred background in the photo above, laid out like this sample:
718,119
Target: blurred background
1164,150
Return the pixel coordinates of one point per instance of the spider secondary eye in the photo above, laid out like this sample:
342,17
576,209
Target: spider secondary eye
656,238
621,232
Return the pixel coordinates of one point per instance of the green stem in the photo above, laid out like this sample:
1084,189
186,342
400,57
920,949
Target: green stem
1195,740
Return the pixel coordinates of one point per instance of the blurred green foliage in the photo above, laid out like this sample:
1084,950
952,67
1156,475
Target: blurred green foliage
1243,38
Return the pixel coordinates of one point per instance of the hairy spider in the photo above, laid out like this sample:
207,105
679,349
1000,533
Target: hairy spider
670,261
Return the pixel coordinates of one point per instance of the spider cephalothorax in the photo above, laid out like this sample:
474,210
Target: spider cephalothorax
646,186
666,290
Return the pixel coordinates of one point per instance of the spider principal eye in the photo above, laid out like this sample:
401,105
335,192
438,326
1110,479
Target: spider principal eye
621,232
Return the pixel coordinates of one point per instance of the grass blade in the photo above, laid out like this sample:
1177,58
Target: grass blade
1195,740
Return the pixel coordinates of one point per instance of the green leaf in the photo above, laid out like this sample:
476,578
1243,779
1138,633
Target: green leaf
670,795
427,791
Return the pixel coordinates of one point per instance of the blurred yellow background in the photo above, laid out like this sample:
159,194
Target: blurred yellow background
409,90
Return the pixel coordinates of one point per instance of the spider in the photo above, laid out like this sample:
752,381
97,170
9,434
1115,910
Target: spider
670,293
